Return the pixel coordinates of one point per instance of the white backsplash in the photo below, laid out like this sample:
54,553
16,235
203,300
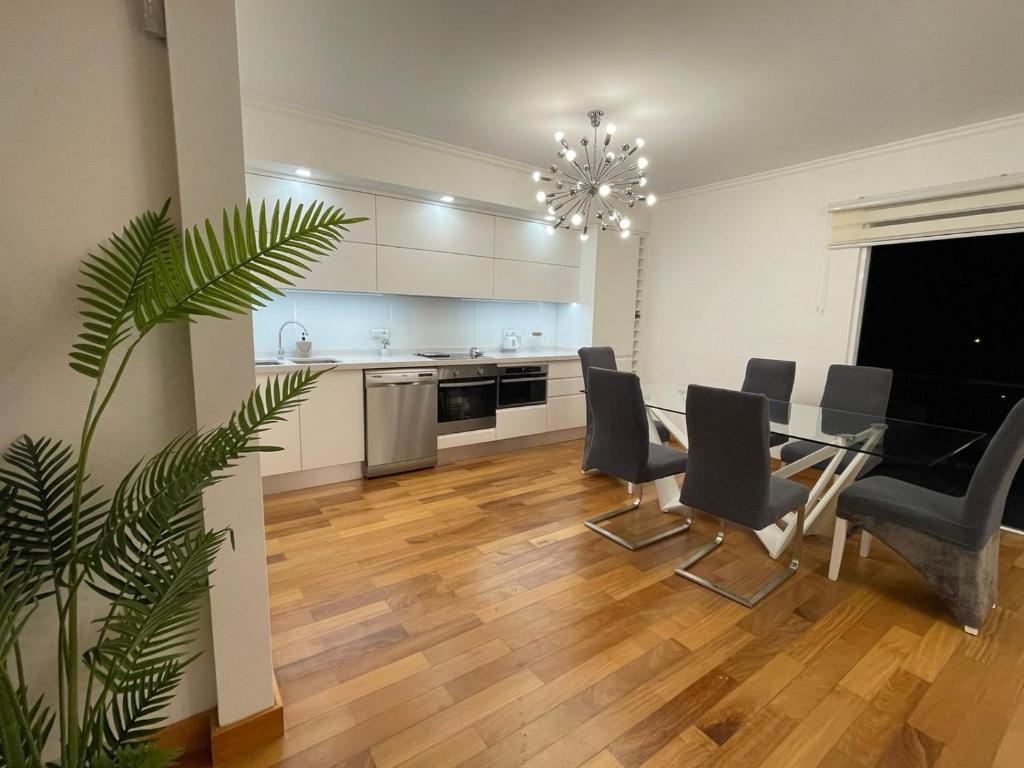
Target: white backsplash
342,322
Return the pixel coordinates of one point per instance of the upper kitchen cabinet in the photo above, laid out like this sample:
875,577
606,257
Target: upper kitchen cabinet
354,204
408,224
530,281
352,267
529,241
433,273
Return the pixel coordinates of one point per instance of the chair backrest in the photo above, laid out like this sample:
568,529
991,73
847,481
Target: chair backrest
986,494
857,389
621,442
593,357
772,378
728,469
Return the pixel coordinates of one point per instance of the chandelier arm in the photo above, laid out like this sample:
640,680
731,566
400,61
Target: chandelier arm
608,168
623,172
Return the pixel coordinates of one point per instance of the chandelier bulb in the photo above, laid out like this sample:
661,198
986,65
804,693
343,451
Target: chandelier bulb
559,135
625,223
541,197
536,175
549,229
651,199
577,219
570,155
611,129
604,190
643,181
609,157
551,210
584,236
639,143
641,163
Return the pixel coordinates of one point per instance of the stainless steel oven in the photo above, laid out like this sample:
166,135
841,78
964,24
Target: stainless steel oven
467,396
520,385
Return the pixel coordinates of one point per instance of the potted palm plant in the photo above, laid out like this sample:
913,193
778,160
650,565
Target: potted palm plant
142,547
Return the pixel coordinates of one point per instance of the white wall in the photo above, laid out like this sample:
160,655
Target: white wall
341,322
86,131
735,269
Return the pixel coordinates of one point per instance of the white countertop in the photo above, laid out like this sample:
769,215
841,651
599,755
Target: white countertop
366,360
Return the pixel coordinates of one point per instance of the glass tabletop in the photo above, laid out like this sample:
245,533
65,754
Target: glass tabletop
897,439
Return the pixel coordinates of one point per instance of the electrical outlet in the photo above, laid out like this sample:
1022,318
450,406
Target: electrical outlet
380,333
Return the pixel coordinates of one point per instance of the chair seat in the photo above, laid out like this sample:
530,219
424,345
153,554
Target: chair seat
783,497
920,509
800,449
662,461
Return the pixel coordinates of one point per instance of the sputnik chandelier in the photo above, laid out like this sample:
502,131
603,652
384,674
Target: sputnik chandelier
601,180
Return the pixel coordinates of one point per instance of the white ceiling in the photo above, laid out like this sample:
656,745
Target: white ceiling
717,88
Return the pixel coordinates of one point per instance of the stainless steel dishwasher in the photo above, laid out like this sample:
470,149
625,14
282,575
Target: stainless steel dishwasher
401,420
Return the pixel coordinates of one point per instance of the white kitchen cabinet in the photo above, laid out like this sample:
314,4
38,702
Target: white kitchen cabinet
529,241
332,421
352,267
615,293
566,412
560,387
433,273
565,369
285,435
354,204
409,224
518,422
531,281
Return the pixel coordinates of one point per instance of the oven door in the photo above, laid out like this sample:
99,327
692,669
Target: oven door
516,391
466,404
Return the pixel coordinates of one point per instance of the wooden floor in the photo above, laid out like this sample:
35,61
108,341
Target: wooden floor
464,616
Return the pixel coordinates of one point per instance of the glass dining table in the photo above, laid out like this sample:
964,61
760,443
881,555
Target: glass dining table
843,440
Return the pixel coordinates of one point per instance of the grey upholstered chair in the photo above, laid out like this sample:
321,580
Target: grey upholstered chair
773,379
852,389
621,446
953,541
728,475
603,357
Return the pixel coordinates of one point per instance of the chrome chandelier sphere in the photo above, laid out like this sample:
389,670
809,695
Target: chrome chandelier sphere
599,182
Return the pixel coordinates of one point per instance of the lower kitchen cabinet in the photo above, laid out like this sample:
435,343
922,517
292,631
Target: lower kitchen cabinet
517,422
283,434
332,421
566,412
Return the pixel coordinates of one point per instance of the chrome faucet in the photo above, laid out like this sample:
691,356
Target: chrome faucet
280,344
475,352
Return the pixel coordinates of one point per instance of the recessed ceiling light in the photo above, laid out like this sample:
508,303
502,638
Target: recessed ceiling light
303,172
447,199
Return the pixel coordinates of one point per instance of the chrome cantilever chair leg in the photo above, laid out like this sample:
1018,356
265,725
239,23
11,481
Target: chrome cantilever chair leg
594,523
749,602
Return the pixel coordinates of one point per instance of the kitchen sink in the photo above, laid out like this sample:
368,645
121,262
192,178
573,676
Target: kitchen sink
270,362
312,360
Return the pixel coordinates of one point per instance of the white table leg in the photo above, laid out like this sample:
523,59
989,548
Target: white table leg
865,543
667,487
838,544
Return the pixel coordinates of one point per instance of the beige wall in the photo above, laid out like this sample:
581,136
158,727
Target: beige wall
87,142
740,269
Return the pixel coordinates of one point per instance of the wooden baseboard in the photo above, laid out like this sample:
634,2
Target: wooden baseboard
232,740
191,737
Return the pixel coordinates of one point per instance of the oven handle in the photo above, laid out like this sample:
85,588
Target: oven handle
513,379
447,385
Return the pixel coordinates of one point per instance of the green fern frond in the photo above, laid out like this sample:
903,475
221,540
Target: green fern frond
37,529
201,276
113,277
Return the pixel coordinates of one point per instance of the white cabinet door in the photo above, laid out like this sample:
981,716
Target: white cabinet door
354,204
518,422
432,273
559,387
408,224
285,435
530,281
332,421
565,369
566,412
352,267
529,241
615,292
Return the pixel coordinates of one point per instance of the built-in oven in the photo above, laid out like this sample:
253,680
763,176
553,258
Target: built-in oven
467,396
520,385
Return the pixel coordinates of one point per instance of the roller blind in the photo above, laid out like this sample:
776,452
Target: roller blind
984,206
